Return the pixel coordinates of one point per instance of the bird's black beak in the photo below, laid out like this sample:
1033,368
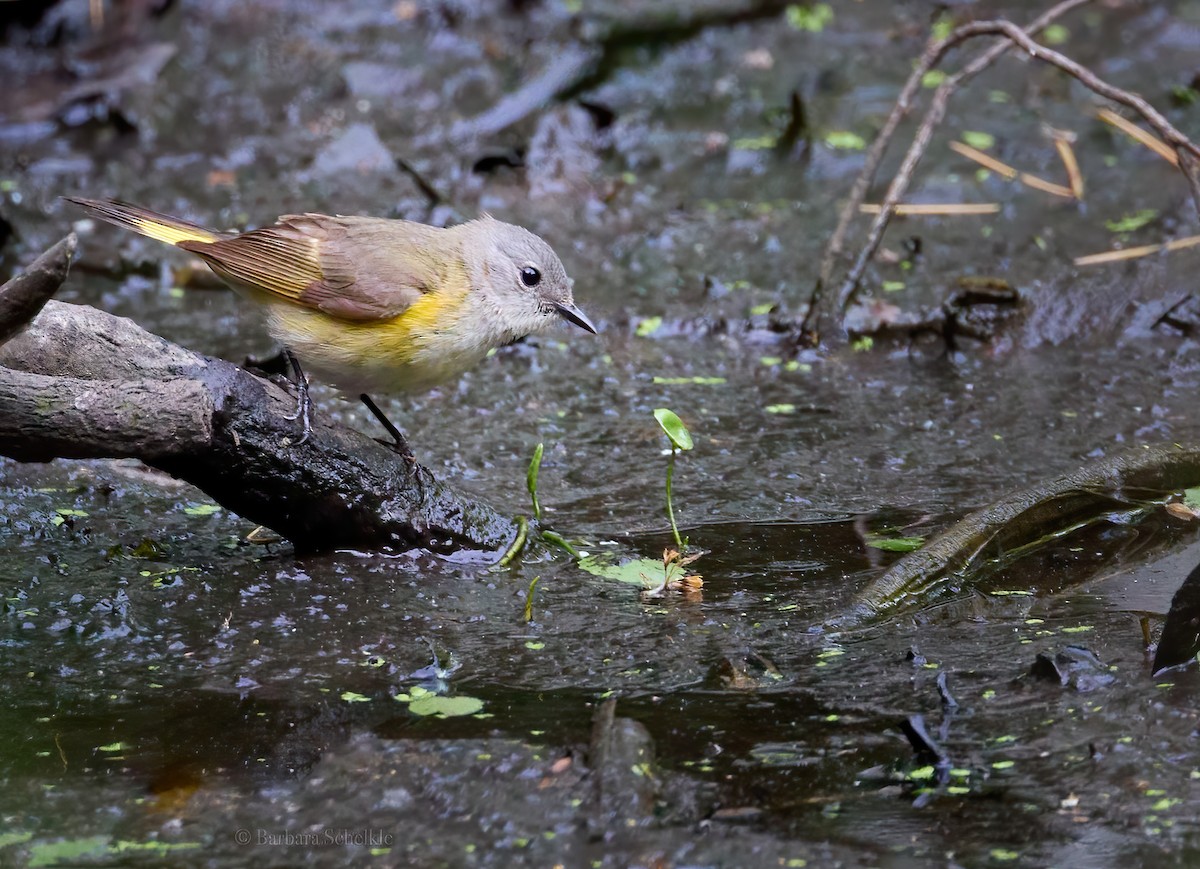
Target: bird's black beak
573,315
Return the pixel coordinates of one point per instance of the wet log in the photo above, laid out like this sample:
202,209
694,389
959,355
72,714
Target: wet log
951,561
77,382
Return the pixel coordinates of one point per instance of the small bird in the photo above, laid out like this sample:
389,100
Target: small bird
377,305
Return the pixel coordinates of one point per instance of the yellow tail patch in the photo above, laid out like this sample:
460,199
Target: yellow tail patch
160,227
171,234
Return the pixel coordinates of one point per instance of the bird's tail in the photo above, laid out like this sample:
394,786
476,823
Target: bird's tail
160,227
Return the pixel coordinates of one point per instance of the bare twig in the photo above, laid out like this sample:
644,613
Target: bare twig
1187,151
823,315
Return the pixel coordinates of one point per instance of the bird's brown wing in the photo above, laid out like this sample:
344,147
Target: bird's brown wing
357,269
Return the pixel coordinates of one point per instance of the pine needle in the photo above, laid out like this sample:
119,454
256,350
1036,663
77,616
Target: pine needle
1109,256
1133,131
934,209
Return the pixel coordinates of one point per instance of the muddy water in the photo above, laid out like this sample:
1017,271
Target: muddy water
170,686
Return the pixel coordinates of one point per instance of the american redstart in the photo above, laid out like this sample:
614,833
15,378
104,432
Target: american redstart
376,305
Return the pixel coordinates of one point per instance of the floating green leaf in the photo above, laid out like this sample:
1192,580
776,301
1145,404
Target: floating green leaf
1131,222
66,851
780,408
125,847
1191,498
355,697
895,544
445,707
933,78
680,381
844,140
754,143
649,326
812,19
422,701
1184,95
978,140
202,509
642,572
1055,34
674,429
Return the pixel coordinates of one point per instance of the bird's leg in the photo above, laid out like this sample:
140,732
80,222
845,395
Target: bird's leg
400,442
303,399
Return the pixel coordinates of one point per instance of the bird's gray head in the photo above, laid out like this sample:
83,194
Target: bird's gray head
521,276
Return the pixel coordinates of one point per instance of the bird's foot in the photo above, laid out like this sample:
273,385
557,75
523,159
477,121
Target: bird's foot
304,404
398,445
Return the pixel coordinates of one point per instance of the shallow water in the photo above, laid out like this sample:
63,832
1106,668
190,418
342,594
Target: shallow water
171,685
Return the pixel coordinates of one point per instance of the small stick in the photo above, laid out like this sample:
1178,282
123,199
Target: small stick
1109,256
1133,131
1067,154
1187,151
920,209
823,313
1047,186
1005,171
985,160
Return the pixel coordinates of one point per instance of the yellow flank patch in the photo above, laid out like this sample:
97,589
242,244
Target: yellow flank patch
432,312
164,232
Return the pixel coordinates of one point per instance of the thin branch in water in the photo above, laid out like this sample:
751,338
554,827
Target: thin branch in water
1187,151
824,316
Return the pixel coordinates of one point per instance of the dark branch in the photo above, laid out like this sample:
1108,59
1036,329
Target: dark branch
23,296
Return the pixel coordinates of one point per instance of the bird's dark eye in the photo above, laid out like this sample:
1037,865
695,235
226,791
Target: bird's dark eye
530,276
